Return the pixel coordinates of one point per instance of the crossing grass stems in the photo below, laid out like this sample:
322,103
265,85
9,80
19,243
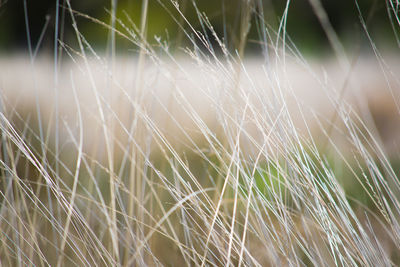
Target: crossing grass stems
134,179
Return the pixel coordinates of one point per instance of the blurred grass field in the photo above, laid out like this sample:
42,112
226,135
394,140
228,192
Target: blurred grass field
204,154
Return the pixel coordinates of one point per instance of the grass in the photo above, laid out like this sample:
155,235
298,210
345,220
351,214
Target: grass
205,159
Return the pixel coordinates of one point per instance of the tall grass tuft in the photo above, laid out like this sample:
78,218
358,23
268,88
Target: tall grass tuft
198,154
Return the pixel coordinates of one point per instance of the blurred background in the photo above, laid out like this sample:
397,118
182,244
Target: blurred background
303,26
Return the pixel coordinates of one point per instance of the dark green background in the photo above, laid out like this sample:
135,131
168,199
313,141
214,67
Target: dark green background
302,25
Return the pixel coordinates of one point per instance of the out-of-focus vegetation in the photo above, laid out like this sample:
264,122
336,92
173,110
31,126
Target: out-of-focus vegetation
302,24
